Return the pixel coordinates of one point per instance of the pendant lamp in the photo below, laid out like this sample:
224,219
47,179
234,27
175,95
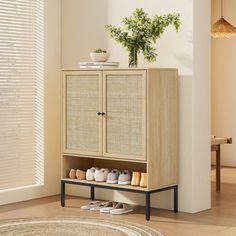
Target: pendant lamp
222,28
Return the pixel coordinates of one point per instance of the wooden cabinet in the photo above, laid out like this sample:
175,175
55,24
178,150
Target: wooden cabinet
122,118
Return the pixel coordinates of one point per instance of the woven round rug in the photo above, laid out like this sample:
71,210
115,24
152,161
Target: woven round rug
73,227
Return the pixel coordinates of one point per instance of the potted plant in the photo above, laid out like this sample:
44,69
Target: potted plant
140,32
99,55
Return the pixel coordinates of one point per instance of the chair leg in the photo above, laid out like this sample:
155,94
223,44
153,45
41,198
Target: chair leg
218,168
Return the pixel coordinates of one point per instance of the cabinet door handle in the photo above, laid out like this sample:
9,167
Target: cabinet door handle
100,113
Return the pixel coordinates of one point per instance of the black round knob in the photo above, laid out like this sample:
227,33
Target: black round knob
100,113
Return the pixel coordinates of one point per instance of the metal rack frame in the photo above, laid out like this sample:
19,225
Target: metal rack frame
146,192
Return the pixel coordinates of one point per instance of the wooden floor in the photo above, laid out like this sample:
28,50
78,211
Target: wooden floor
220,220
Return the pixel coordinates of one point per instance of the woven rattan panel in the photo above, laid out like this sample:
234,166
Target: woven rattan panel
124,114
82,104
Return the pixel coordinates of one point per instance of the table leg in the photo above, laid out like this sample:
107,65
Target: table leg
218,168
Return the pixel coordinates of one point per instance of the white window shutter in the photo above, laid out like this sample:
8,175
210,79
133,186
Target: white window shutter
21,93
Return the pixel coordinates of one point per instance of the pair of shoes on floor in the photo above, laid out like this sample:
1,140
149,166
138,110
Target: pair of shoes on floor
77,174
118,209
139,179
114,208
112,177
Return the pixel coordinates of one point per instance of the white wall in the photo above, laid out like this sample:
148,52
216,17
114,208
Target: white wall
201,107
52,110
82,29
183,50
224,83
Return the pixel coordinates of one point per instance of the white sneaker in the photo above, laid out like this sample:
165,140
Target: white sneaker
124,178
90,173
101,175
112,177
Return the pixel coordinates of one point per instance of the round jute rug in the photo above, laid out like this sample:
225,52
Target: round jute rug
73,227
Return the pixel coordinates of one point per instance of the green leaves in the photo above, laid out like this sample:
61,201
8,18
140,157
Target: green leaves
140,32
100,51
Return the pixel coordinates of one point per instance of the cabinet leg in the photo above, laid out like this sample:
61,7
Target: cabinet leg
176,199
62,193
92,193
147,206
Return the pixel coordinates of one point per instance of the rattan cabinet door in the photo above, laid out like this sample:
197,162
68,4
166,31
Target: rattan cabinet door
124,122
83,99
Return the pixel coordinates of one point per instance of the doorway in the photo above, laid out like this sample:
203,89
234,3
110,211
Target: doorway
223,101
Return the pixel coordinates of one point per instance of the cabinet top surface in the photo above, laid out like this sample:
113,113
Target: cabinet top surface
119,69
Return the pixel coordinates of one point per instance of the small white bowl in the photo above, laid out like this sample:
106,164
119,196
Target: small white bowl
99,57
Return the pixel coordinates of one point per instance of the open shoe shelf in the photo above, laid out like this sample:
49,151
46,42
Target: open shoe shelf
86,182
114,186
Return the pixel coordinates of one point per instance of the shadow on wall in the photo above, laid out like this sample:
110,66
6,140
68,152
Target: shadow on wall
186,59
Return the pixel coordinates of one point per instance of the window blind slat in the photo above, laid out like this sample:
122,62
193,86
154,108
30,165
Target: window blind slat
21,93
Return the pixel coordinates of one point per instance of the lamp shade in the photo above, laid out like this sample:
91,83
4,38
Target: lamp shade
222,28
